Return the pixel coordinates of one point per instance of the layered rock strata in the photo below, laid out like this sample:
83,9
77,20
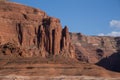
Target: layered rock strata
33,31
92,49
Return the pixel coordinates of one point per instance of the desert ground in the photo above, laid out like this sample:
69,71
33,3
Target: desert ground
37,68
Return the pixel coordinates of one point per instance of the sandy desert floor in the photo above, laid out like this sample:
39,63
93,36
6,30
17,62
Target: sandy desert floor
37,68
15,77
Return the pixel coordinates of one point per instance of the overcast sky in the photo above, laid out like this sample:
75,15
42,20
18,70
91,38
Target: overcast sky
90,17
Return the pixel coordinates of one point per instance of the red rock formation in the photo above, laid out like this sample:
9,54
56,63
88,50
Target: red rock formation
33,31
94,48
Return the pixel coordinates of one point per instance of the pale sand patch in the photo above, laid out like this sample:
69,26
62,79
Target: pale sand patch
16,77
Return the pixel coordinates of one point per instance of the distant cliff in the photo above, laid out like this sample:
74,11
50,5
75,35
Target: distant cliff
100,50
94,48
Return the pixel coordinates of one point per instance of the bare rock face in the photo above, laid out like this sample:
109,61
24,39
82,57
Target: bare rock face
33,31
92,49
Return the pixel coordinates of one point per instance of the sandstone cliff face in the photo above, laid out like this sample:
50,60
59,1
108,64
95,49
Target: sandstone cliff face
33,32
94,48
28,32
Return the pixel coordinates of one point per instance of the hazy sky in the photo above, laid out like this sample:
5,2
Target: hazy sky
91,17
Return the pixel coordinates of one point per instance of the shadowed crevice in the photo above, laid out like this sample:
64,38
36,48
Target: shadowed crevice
38,37
20,33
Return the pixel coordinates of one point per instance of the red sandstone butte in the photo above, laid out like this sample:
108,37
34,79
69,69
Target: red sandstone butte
33,32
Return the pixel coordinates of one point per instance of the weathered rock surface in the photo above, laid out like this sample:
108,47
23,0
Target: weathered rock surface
101,50
94,48
33,32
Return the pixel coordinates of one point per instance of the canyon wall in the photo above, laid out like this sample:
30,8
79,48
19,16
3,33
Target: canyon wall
92,49
30,32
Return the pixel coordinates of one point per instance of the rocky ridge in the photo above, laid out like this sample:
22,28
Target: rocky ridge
94,48
101,50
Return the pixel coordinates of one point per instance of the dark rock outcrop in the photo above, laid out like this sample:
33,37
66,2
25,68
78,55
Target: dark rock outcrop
111,62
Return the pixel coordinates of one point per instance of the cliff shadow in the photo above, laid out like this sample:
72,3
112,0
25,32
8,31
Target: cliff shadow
111,63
